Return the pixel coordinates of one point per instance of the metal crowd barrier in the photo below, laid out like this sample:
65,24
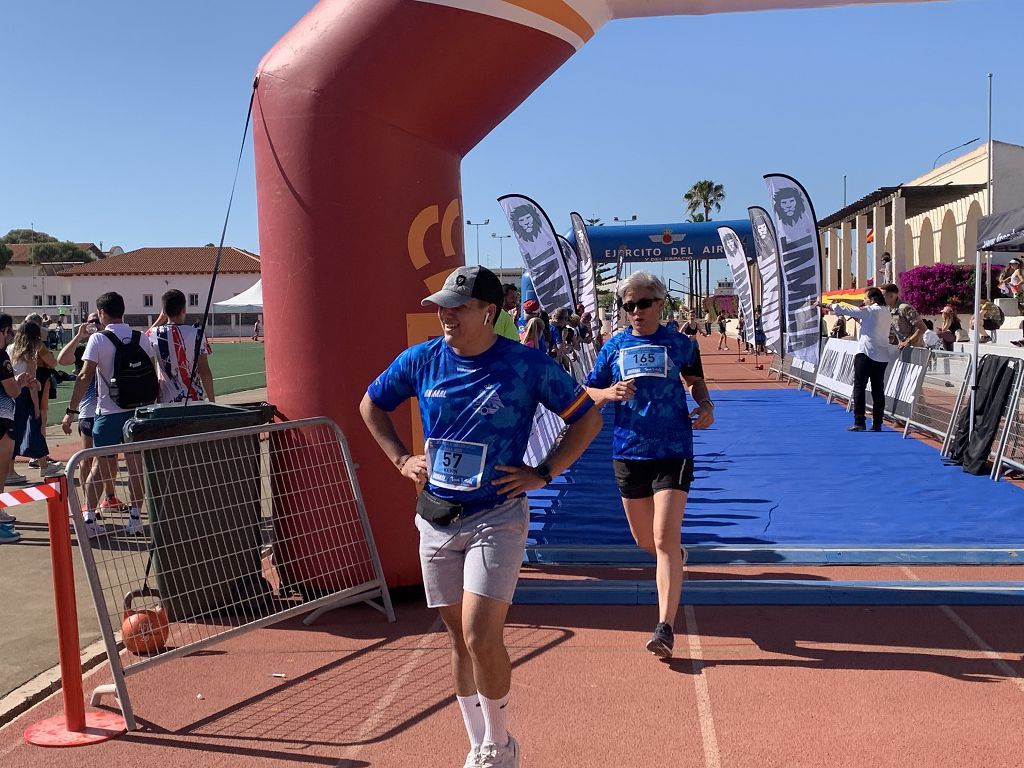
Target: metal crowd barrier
240,529
946,382
1010,451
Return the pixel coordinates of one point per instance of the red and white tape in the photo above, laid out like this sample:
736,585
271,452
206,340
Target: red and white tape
28,495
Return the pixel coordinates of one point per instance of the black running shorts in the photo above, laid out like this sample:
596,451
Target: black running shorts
642,478
6,428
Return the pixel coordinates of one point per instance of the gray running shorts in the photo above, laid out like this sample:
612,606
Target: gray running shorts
480,554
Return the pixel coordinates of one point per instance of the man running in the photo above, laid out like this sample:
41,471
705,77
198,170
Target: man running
477,394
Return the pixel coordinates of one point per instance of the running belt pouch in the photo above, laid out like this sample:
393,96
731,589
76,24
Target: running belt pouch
435,510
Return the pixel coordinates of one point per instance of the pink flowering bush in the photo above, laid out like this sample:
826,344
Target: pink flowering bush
929,288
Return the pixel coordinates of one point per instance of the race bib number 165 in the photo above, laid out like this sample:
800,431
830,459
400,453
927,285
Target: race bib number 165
644,360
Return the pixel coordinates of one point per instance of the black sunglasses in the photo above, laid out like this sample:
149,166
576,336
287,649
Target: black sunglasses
630,306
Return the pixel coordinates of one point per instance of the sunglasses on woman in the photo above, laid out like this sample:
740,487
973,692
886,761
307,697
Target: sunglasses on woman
631,306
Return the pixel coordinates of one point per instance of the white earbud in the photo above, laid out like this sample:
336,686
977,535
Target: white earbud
487,318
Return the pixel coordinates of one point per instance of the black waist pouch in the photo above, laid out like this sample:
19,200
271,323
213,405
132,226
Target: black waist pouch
437,511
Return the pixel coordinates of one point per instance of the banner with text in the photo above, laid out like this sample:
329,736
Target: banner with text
540,250
737,259
796,232
767,250
572,265
587,292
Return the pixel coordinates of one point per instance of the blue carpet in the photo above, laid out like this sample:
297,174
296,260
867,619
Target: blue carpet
778,469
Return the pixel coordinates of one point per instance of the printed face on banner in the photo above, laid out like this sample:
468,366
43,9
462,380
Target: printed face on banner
789,206
526,222
731,243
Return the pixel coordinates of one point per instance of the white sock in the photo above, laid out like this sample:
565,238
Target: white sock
495,713
473,717
89,515
134,512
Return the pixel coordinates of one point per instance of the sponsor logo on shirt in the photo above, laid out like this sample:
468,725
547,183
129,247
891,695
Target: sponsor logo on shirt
488,402
435,393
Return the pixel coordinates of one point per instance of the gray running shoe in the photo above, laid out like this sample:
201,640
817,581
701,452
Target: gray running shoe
490,755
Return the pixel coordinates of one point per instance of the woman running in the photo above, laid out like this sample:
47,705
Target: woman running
723,340
645,371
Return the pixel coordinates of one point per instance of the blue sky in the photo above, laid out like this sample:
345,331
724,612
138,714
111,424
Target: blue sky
124,118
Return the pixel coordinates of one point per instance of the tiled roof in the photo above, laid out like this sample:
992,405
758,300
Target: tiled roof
21,252
171,261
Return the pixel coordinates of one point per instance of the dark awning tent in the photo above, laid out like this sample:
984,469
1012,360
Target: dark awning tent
1002,232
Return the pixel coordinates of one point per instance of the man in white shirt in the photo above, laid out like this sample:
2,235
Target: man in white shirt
872,357
174,343
108,426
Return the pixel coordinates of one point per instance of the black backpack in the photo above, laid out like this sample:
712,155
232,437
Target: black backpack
133,382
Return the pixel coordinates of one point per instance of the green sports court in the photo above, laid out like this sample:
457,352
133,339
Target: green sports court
236,365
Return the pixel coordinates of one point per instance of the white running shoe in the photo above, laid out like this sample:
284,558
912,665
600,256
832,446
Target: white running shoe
135,527
94,529
471,758
491,755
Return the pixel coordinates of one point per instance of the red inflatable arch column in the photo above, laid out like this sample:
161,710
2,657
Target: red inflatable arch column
363,113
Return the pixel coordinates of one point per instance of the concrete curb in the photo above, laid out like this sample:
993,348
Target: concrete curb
42,686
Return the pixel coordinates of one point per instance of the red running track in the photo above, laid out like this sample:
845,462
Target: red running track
751,687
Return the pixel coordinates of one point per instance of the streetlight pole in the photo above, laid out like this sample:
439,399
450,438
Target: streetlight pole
501,255
624,221
954,149
484,223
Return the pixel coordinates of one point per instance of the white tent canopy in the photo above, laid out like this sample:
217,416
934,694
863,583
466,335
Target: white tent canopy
248,301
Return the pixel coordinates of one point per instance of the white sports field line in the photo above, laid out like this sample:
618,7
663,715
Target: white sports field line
67,399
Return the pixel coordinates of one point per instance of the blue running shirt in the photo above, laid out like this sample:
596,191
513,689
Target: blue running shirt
477,412
655,424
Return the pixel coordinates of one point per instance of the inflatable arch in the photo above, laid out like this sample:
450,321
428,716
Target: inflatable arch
363,113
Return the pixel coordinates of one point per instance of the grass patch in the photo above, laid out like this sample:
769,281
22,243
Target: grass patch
236,367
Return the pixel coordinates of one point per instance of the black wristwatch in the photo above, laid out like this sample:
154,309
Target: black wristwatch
70,412
544,472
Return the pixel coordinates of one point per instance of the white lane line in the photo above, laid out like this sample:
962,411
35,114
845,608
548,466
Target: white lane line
712,758
975,638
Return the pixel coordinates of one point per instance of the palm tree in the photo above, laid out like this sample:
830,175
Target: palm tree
708,195
695,218
594,222
704,194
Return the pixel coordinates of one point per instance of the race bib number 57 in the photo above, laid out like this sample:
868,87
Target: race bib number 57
456,465
644,360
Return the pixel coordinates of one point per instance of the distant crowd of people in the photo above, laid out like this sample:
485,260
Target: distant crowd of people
117,370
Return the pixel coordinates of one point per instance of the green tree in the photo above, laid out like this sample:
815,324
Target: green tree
695,217
49,252
594,222
706,195
27,236
5,256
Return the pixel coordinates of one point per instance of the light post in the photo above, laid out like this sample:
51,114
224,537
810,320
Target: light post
500,238
954,149
624,221
484,223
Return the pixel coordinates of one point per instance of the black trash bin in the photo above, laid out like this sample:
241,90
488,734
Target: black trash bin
203,502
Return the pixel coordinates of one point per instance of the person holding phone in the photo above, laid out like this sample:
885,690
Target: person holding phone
645,371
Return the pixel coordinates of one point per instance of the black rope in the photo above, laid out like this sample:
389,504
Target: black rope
201,335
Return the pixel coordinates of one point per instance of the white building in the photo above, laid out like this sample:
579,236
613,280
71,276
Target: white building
25,285
927,220
143,275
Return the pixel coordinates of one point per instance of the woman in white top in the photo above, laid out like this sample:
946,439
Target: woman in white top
871,359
